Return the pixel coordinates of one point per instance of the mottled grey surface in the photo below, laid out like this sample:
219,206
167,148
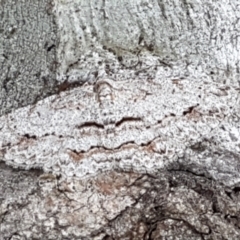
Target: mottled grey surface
129,125
44,43
174,205
27,52
67,42
148,38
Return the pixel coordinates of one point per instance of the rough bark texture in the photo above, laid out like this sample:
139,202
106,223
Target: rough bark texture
27,52
164,131
147,38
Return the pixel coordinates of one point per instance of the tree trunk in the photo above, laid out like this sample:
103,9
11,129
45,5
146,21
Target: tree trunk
140,137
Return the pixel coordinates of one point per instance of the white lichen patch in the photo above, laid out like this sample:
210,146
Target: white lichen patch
126,125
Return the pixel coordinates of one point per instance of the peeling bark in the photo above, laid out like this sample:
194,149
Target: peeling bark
171,204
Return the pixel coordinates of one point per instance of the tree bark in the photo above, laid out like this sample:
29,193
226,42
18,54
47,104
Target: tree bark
166,73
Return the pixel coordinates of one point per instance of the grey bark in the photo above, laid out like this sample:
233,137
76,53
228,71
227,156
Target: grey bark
51,46
27,53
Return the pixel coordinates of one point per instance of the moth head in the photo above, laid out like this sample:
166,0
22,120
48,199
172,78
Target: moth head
103,90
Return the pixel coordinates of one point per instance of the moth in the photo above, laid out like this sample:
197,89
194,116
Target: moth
131,125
